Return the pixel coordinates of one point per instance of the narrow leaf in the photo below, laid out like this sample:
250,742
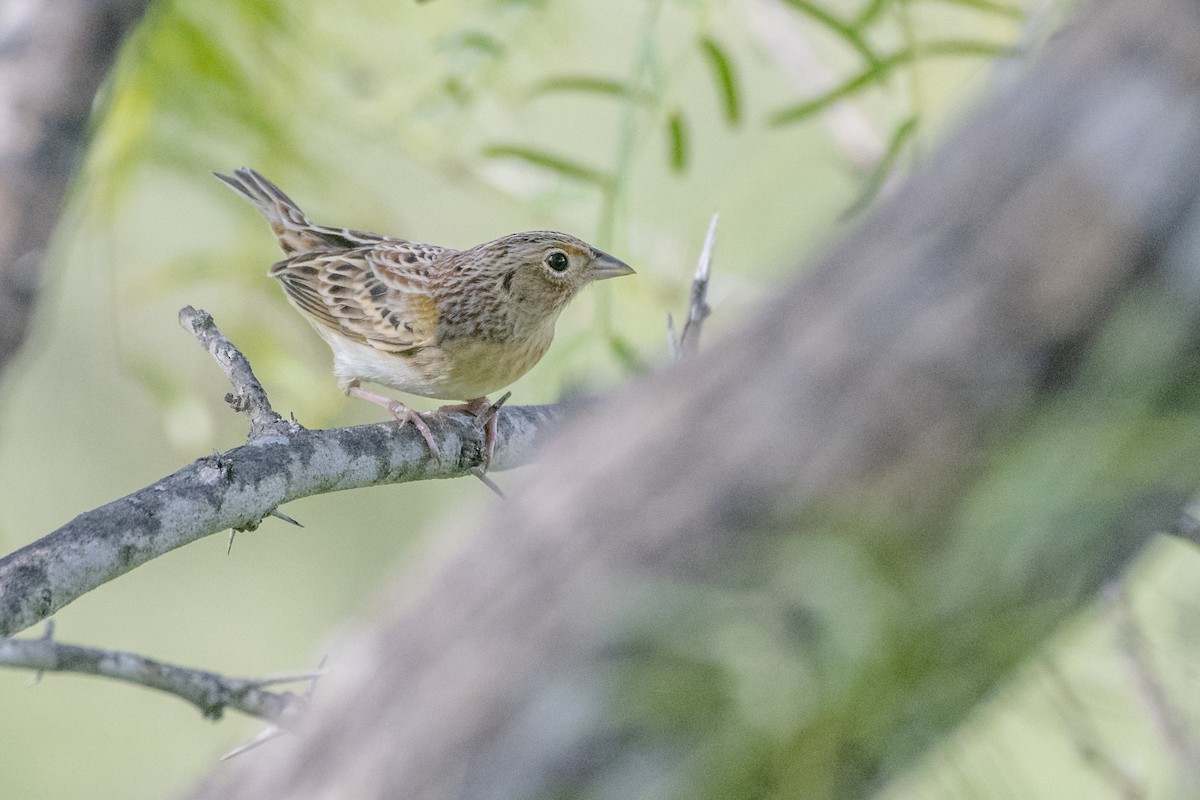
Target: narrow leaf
941,49
474,40
626,355
677,137
990,6
722,69
547,161
846,31
592,85
883,169
869,14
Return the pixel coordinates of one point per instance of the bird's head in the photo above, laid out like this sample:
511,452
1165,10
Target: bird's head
542,270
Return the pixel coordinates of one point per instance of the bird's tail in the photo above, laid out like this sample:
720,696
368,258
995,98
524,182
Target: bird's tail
292,228
296,234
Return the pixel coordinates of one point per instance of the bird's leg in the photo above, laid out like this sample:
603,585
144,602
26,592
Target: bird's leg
482,407
399,411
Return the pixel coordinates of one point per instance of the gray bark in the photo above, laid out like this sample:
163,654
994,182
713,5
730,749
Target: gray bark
54,54
785,567
236,490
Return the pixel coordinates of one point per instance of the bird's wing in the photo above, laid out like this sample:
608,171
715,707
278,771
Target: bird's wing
379,295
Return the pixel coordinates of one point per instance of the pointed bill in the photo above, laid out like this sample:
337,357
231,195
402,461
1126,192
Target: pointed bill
605,266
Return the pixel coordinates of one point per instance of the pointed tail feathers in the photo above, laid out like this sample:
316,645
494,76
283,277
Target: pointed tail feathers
293,230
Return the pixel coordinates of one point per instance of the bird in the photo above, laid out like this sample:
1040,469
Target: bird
424,319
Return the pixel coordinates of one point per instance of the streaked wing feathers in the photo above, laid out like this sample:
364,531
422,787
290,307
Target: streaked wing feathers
378,295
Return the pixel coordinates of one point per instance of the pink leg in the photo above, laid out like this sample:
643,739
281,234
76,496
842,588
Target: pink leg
399,411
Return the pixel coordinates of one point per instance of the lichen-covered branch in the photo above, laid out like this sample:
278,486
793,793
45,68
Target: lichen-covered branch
237,489
248,395
789,565
208,691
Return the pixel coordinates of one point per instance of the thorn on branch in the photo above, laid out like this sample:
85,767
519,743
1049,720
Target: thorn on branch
488,482
280,515
248,396
301,704
493,409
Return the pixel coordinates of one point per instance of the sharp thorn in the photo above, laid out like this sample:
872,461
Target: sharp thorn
488,482
280,515
493,409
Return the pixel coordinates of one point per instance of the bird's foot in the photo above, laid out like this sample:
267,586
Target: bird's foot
484,410
401,412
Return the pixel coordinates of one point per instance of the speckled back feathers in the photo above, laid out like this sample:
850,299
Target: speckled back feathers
440,316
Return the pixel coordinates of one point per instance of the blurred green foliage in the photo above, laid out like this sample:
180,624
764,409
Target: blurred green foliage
626,123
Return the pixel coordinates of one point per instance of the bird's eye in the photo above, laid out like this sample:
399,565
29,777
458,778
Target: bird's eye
557,261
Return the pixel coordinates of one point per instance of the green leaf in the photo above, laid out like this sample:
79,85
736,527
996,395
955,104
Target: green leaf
941,49
869,14
481,42
990,6
844,30
549,162
626,355
591,85
885,166
722,69
677,136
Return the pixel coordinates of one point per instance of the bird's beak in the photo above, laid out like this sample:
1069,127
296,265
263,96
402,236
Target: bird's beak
605,266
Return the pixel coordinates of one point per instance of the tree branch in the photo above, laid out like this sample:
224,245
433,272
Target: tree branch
248,396
53,56
237,489
208,691
785,567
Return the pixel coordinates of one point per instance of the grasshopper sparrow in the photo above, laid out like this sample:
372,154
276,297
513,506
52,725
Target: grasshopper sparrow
427,320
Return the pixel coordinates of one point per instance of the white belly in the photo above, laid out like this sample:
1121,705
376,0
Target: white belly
462,370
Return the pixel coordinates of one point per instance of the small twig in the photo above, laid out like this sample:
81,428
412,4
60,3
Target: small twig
274,731
698,308
1173,730
249,396
208,691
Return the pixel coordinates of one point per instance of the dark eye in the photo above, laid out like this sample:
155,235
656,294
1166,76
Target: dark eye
557,261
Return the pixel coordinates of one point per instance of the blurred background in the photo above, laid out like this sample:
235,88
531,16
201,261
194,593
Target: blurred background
626,123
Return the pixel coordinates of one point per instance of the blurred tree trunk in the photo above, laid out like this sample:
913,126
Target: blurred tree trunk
787,567
54,54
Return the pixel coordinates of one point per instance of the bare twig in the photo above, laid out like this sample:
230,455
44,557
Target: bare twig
248,395
208,691
275,730
698,309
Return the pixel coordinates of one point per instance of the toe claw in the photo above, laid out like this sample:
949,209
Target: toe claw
406,415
